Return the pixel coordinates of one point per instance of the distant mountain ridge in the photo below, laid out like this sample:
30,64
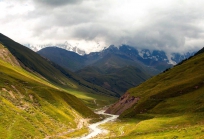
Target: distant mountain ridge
65,46
144,55
156,58
111,67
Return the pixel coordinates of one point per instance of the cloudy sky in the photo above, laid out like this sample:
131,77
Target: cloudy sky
170,25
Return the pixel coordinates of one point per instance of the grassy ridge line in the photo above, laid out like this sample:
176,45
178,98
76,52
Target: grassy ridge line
174,103
56,75
52,72
179,80
24,77
23,73
31,108
34,61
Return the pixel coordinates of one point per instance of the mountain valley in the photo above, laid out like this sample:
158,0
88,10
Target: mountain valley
43,99
101,69
115,69
37,96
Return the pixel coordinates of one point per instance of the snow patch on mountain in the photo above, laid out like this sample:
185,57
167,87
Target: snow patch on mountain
170,59
158,55
65,46
69,46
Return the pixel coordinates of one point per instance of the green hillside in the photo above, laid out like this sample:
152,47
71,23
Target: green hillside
178,81
116,73
117,80
169,105
31,107
57,75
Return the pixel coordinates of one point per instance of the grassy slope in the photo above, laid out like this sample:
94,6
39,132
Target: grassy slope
116,73
57,75
31,107
117,80
180,80
171,105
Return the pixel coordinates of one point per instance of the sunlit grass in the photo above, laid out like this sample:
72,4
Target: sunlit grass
31,107
171,106
93,100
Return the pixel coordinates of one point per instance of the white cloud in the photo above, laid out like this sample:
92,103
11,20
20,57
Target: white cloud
169,25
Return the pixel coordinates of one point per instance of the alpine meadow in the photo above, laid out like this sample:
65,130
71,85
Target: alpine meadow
113,69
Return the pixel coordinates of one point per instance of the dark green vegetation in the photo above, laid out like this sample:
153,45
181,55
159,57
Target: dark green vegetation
170,105
35,96
117,80
115,72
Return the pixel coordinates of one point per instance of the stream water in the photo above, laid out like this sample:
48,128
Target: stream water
95,130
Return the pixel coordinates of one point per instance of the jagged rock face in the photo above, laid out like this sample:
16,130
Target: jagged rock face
124,103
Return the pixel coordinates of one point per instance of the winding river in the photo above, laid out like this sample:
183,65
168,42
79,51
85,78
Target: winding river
95,130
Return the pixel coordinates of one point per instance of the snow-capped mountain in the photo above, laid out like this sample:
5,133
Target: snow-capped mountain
146,56
115,57
65,46
170,58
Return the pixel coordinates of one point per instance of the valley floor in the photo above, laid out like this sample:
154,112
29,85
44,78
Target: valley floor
158,127
170,126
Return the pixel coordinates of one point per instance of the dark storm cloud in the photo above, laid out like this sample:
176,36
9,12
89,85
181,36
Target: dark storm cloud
55,3
175,26
169,30
165,30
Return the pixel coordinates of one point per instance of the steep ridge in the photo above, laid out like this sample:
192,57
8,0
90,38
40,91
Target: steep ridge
153,95
169,105
200,51
32,107
48,70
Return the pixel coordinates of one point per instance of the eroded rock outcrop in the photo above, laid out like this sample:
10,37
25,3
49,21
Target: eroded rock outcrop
5,55
125,102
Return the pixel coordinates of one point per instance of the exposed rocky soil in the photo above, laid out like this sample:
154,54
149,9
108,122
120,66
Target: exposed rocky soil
7,56
124,103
